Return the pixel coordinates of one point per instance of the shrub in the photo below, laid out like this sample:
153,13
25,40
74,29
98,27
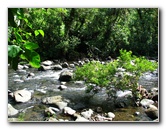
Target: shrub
120,74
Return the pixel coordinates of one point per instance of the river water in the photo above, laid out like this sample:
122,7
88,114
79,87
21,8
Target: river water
45,84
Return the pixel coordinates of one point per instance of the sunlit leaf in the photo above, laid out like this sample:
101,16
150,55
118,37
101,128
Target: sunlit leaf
36,32
32,57
41,32
31,46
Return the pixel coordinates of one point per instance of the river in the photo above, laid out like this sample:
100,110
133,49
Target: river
45,84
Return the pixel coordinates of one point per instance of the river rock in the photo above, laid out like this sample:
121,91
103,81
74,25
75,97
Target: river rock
21,95
52,100
61,105
51,110
122,102
154,94
26,67
30,74
11,110
18,80
51,119
57,67
20,66
56,100
146,102
87,114
111,115
72,66
99,110
80,118
65,65
66,76
13,120
152,112
125,93
44,68
62,120
62,87
68,110
47,63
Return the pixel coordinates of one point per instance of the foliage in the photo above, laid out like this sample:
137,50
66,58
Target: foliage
19,46
94,32
122,73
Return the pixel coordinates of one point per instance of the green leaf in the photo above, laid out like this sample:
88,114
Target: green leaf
13,50
18,37
29,25
32,57
41,32
62,29
36,32
35,60
31,46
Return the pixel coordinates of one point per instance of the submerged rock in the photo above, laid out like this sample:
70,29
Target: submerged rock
56,100
52,100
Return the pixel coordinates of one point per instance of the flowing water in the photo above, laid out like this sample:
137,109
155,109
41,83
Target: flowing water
45,84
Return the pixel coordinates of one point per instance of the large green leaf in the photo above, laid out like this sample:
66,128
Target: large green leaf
31,46
18,37
13,50
32,57
35,60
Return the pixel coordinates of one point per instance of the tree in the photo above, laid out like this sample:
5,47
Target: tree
19,46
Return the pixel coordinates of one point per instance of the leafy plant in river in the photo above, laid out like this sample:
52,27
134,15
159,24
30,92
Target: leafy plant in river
120,74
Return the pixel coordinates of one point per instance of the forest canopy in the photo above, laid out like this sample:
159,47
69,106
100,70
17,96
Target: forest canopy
72,33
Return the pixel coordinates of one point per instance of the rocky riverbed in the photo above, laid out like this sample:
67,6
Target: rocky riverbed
49,95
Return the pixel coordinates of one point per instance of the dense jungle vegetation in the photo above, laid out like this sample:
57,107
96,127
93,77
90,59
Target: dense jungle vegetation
128,35
37,34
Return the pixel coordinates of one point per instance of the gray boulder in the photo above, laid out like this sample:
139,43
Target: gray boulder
66,76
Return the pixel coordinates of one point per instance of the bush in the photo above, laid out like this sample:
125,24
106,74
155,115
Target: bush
120,74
